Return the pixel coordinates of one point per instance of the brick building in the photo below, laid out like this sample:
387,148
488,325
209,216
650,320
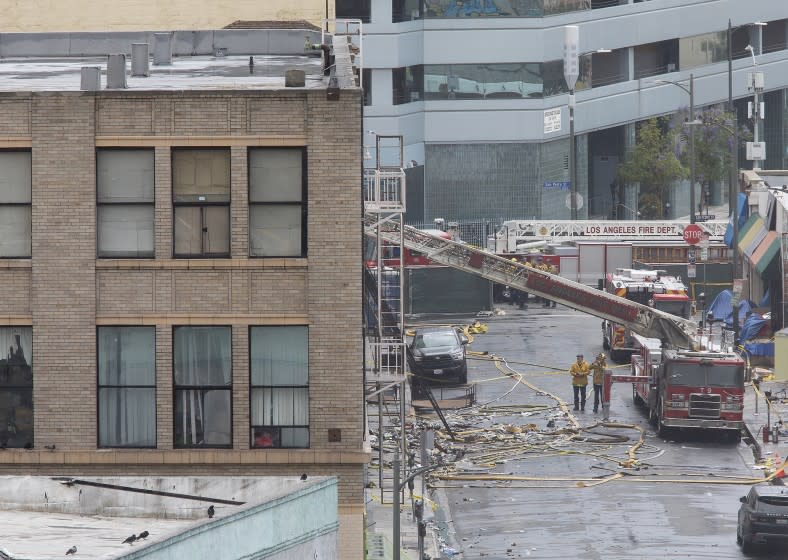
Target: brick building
181,267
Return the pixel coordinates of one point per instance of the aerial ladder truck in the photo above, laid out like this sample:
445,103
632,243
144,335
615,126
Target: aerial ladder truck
682,378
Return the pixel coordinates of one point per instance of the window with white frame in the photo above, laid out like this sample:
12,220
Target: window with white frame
15,203
127,386
277,202
16,387
201,201
202,391
125,205
279,372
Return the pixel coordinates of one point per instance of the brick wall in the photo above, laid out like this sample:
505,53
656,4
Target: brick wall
65,292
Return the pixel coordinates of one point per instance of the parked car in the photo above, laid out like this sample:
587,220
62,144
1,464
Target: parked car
763,516
438,353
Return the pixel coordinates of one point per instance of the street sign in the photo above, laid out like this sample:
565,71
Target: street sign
691,255
692,234
690,271
705,217
552,120
704,253
704,242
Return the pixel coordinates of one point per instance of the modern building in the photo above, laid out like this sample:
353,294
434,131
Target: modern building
181,262
476,88
134,15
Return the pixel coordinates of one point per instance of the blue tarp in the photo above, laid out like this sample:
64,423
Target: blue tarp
760,348
743,214
722,310
751,327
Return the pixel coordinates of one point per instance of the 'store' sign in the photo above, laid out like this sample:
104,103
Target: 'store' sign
693,234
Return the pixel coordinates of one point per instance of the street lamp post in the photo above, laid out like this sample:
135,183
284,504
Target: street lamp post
692,123
733,183
571,72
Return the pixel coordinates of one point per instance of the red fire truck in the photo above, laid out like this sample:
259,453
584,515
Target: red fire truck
688,389
647,287
684,377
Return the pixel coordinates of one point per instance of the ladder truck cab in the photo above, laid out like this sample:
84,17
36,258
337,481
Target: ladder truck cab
688,389
647,287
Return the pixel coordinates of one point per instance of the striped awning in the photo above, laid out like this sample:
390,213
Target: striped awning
766,253
751,235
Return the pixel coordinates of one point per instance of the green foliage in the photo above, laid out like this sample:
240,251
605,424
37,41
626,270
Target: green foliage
653,163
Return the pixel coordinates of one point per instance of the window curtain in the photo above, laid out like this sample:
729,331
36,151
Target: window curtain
203,378
127,393
280,381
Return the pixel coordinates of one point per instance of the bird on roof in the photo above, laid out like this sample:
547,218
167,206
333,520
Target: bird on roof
211,511
303,476
72,550
130,540
143,535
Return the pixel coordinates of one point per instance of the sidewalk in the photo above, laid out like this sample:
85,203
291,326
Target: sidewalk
380,522
760,411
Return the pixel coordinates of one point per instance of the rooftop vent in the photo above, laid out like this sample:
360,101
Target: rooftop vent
295,78
162,49
139,59
116,71
90,78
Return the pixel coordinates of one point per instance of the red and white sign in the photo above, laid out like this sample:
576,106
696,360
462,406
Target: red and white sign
693,234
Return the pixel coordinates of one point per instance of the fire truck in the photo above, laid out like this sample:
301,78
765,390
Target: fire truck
688,389
648,287
685,377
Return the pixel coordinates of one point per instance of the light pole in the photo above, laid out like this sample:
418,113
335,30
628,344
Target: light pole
571,72
756,83
692,123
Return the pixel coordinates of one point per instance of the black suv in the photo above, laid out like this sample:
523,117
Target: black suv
438,353
763,516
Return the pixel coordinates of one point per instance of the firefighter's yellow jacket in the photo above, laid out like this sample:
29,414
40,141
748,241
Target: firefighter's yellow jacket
580,373
598,368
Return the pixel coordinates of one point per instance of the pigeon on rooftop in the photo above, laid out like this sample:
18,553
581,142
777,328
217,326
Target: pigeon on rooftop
303,476
143,535
130,540
211,511
72,550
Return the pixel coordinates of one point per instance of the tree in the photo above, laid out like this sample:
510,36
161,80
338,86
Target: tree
713,143
654,164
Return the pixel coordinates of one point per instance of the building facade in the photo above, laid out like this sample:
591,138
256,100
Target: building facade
136,15
182,266
477,90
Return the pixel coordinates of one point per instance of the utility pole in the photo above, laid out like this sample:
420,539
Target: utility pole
733,187
571,72
692,148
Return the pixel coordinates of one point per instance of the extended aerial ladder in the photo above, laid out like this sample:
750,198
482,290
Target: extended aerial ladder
673,331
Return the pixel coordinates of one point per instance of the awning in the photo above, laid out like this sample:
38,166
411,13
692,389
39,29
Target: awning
766,253
751,235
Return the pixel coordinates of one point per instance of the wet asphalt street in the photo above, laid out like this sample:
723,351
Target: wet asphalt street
556,493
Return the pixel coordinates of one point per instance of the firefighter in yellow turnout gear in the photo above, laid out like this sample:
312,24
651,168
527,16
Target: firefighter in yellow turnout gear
598,369
579,371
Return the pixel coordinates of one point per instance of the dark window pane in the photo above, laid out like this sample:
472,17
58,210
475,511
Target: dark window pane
127,417
202,418
125,230
16,387
217,230
124,176
353,9
127,356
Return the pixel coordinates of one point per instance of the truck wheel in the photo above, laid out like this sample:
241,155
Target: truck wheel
462,378
734,436
605,343
746,545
